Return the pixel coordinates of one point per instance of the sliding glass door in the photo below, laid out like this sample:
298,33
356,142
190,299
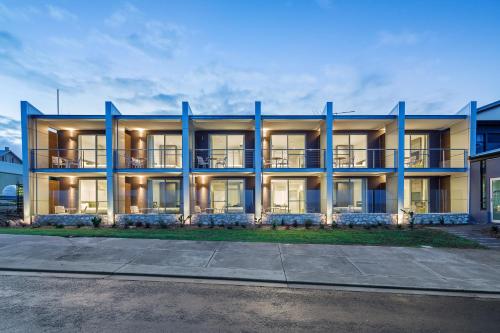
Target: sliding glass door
92,151
164,151
288,196
495,199
417,194
288,151
349,195
350,150
227,151
92,196
416,151
227,195
164,195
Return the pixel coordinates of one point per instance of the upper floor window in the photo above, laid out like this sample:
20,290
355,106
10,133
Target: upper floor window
350,150
92,150
416,150
164,151
288,151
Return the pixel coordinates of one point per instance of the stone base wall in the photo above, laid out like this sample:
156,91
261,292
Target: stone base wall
222,219
66,219
152,219
439,218
365,218
289,219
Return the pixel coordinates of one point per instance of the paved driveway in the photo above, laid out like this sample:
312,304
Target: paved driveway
476,270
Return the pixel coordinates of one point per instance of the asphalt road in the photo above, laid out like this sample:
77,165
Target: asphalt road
63,304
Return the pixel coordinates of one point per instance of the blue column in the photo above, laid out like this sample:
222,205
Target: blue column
257,160
111,140
186,160
472,127
401,159
329,162
26,110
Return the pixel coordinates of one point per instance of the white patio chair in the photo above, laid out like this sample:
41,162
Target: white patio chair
197,209
202,163
134,210
57,162
59,210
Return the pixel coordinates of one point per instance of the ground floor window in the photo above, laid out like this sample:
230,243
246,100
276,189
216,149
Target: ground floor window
93,196
417,194
495,199
349,195
164,194
288,195
227,195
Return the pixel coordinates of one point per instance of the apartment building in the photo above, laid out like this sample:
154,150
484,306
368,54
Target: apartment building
326,168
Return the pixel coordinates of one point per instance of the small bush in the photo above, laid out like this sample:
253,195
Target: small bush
367,226
147,225
273,225
322,226
244,226
399,226
199,224
308,224
96,221
229,226
60,226
79,225
379,224
212,224
129,223
334,225
295,224
350,225
282,222
441,220
138,224
236,224
494,229
162,225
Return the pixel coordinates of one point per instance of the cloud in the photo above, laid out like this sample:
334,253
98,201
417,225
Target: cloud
10,134
60,14
386,38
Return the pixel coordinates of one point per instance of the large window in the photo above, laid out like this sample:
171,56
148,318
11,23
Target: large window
288,151
164,151
417,194
416,151
227,195
92,196
226,150
164,195
350,150
349,195
92,151
288,195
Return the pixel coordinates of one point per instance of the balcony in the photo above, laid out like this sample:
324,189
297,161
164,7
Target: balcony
169,158
223,158
68,158
435,158
365,158
293,158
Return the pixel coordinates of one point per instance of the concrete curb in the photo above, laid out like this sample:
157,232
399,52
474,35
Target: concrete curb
225,278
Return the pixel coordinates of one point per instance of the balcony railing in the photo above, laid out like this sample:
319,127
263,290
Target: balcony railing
170,158
68,158
223,158
436,158
293,158
365,158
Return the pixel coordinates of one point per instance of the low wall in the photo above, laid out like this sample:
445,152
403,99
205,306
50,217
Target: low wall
288,219
222,219
66,219
365,218
441,218
152,219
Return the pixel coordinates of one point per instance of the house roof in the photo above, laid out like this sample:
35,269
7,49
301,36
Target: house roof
486,154
488,106
6,150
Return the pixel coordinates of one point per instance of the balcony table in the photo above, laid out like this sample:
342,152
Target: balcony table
277,160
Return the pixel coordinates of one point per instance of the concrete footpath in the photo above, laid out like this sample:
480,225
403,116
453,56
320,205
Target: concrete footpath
361,266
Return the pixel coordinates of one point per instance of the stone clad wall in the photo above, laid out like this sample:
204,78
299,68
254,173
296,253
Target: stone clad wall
437,218
222,219
289,219
365,218
152,219
66,219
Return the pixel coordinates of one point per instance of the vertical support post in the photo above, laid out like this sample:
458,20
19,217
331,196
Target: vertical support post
186,160
401,159
111,111
329,162
472,146
26,110
257,160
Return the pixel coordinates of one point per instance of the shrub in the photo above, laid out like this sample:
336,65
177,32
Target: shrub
212,223
441,220
147,225
138,224
379,223
322,226
96,221
308,224
494,229
199,224
79,225
162,225
236,223
367,226
399,226
334,225
229,226
60,226
410,215
282,222
350,225
295,224
243,225
273,225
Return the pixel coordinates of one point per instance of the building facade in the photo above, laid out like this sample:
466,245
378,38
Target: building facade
485,166
244,168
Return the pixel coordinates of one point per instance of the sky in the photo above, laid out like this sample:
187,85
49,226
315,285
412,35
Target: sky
221,56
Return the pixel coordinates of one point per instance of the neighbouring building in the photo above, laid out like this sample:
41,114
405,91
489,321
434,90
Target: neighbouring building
11,172
485,166
243,168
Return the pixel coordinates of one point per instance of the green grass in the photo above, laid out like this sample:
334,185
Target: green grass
379,236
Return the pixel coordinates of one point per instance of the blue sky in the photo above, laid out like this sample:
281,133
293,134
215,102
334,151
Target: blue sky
148,56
